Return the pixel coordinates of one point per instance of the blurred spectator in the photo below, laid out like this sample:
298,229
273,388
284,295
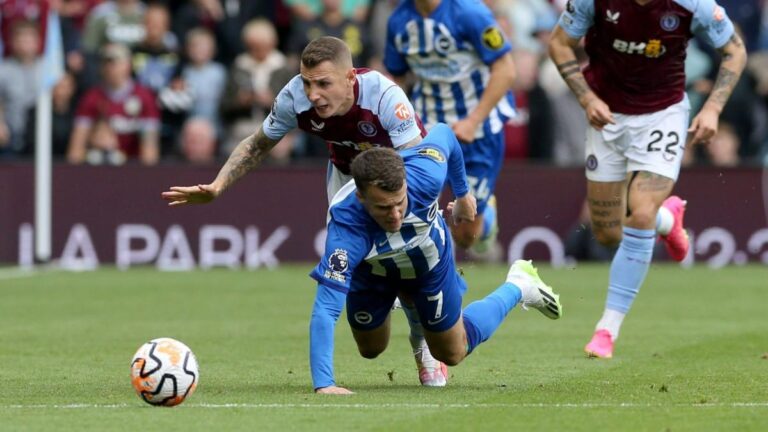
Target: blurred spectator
19,85
310,10
722,150
155,58
248,95
525,18
128,108
331,22
198,141
204,78
13,11
530,133
226,19
103,145
114,21
63,114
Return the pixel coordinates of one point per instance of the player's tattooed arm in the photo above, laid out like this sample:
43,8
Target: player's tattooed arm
562,51
734,58
246,156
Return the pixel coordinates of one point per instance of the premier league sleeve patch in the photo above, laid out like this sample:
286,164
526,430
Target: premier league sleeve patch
338,264
492,38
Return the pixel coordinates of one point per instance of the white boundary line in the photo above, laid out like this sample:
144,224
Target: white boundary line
406,405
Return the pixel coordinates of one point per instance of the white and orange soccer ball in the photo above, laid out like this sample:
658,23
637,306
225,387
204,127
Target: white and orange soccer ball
164,372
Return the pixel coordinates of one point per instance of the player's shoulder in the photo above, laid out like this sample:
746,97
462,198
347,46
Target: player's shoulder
461,8
292,96
345,210
374,86
403,8
432,148
691,5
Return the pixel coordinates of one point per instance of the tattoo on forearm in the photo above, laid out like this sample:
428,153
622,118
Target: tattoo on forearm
571,73
726,78
246,156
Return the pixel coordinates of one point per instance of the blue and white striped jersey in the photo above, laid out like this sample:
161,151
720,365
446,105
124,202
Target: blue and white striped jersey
357,244
449,52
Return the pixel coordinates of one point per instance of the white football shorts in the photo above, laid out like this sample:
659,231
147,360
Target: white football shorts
652,142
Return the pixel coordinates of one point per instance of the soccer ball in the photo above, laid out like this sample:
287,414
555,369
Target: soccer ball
164,372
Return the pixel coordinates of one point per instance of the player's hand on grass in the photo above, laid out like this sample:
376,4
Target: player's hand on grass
704,125
463,209
334,390
181,195
598,113
465,130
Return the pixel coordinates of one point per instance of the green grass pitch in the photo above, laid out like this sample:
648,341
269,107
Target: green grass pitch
693,356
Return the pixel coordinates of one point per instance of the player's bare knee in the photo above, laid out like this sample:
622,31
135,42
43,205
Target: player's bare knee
370,352
643,217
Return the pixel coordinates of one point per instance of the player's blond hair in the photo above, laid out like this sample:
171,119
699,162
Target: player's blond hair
326,48
381,167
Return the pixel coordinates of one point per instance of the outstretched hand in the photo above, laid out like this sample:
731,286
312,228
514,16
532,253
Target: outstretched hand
463,209
181,195
334,390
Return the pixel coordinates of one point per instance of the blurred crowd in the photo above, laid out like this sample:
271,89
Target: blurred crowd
187,80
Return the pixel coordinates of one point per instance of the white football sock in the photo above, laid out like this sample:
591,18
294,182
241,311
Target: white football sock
664,221
611,321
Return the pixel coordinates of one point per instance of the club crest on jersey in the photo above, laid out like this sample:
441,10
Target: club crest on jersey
317,126
669,22
432,154
132,106
612,18
366,128
444,43
492,38
651,49
591,162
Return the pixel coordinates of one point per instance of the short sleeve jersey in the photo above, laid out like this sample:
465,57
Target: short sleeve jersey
382,116
637,53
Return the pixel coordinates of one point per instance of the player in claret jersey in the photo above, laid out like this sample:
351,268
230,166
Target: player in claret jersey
352,110
633,93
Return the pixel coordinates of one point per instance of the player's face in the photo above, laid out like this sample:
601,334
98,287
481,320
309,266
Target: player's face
386,208
329,87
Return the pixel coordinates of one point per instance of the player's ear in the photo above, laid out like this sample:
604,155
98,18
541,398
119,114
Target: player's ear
351,74
359,196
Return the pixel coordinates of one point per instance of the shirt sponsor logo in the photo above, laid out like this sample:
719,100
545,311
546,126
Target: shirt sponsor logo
402,112
651,49
404,126
361,146
492,38
366,128
718,14
432,154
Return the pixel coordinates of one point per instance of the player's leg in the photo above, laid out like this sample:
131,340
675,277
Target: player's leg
369,303
453,334
653,170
